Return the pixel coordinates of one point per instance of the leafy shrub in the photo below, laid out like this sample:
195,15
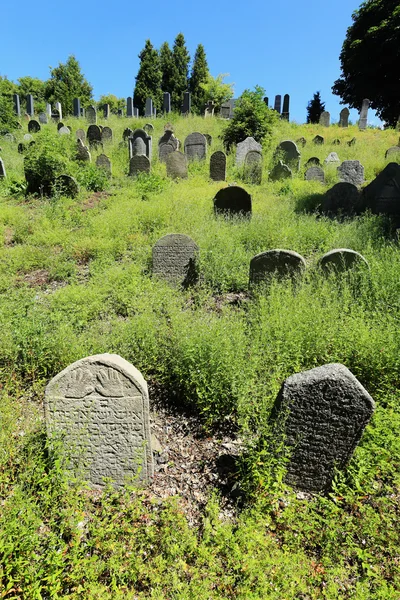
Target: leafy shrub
92,178
42,164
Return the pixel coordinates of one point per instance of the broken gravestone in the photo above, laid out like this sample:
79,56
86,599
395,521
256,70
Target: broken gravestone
99,407
233,200
275,263
218,166
280,171
174,259
82,151
244,147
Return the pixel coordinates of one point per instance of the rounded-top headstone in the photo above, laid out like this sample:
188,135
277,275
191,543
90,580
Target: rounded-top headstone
290,153
351,171
279,263
106,134
67,185
174,259
342,198
253,167
393,153
318,140
43,118
91,115
59,125
103,162
64,131
218,166
195,146
33,126
148,127
340,260
313,162
232,200
94,133
139,163
244,147
27,137
166,144
80,134
100,406
177,166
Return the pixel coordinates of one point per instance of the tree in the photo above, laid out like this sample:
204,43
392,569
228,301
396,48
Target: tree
314,108
199,75
251,117
216,90
66,83
370,59
8,119
167,68
148,79
181,71
36,87
114,102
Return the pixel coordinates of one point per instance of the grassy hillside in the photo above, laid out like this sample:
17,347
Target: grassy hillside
75,280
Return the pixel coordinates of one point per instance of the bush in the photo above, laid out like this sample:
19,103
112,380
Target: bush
43,163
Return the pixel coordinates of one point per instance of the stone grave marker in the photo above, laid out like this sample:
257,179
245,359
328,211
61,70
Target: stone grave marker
91,115
209,109
340,260
106,111
2,169
233,200
30,105
81,135
149,128
285,109
64,131
331,159
177,166
127,133
148,111
139,163
67,186
43,119
58,109
167,144
55,116
10,138
344,117
140,143
280,171
48,110
59,125
289,154
382,195
343,198
218,166
187,103
278,103
100,406
103,162
253,167
275,263
362,123
225,110
175,259
393,153
351,171
33,126
313,162
129,106
166,103
315,174
93,135
318,140
17,105
28,137
301,141
325,119
195,146
106,135
352,142
82,151
320,416
77,108
243,148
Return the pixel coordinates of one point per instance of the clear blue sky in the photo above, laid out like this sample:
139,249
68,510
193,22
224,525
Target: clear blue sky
286,46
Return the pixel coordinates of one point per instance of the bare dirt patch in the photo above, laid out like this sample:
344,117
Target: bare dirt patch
94,200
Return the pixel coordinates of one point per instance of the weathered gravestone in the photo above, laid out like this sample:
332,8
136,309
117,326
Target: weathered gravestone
253,167
177,165
139,163
106,135
81,135
17,105
99,405
313,162
351,171
91,115
225,110
103,162
148,111
233,200
382,195
29,105
33,126
280,171
275,263
66,186
343,198
55,115
331,159
166,103
243,148
218,166
175,259
209,109
166,144
140,143
362,123
106,111
301,141
278,103
320,416
59,125
2,169
340,260
393,153
344,117
318,140
58,109
27,137
285,109
289,153
195,146
315,174
43,119
77,108
187,103
148,127
325,119
127,133
93,134
352,141
64,131
82,151
129,106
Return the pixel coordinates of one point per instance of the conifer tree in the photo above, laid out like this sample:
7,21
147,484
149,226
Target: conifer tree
148,79
199,75
167,68
181,71
314,108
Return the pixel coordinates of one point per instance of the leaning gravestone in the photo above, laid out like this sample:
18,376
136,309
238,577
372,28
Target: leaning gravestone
2,169
195,146
320,416
103,162
340,260
244,147
33,126
100,407
280,171
106,135
343,198
91,115
174,259
393,153
362,123
315,174
275,263
289,154
351,171
82,151
382,195
139,163
325,119
177,166
233,200
331,159
67,185
253,167
218,166
81,135
344,117
318,140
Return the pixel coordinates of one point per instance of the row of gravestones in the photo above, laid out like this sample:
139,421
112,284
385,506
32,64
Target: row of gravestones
325,117
99,407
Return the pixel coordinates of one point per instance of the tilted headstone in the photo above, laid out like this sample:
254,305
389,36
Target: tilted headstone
393,153
177,165
209,109
313,162
167,144
93,134
43,119
285,109
320,416
351,171
67,186
233,200
244,147
187,103
64,131
195,146
344,117
382,195
315,174
139,163
174,259
318,140
58,109
100,407
280,171
17,105
331,159
166,103
253,167
129,106
30,105
77,108
343,198
362,123
341,260
278,103
301,141
103,162
352,141
2,169
81,135
33,126
218,166
107,135
289,154
140,143
82,151
325,119
275,263
91,115
106,111
148,111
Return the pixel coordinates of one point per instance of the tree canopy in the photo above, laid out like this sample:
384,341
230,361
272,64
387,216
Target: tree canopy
198,76
66,83
217,90
181,59
148,79
370,60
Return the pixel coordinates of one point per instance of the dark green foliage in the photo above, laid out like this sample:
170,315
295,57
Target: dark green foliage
314,108
148,79
252,117
167,68
199,75
370,59
66,83
181,71
114,102
8,119
36,87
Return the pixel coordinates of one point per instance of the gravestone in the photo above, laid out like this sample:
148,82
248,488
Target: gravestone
129,106
315,174
91,115
209,109
17,105
33,126
218,166
58,110
336,142
82,151
10,138
301,141
21,148
225,110
253,167
275,263
59,125
195,146
103,162
64,131
289,154
393,153
233,200
140,143
187,103
106,135
100,406
120,112
320,416
278,103
325,119
177,166
67,186
175,259
166,103
27,137
280,171
135,112
352,142
318,140
340,260
77,108
362,123
167,144
43,119
243,148
344,117
148,111
285,109
266,100
2,169
208,139
30,105
127,133
342,198
313,162
351,171
93,135
382,195
331,159
55,115
139,163
48,110
81,135
148,127
106,111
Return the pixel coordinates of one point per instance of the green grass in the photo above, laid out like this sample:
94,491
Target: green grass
224,360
